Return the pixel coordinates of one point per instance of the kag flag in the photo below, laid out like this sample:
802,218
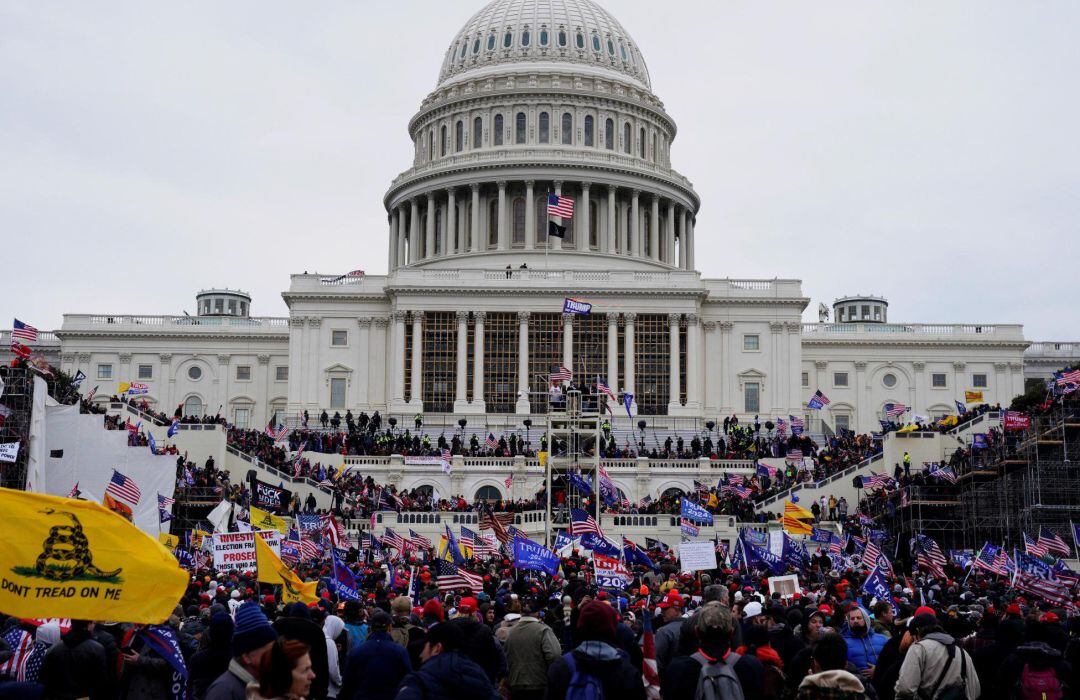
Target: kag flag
534,556
695,513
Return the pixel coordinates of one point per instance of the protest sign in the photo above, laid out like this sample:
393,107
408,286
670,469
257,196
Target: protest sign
786,586
697,556
234,551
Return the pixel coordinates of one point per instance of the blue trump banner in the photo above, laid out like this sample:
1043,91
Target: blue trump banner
601,545
534,556
576,306
876,585
695,513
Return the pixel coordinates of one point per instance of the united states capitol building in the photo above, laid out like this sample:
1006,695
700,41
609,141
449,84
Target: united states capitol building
534,99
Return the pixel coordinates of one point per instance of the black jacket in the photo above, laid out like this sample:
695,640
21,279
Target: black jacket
481,647
448,676
611,666
311,634
681,677
75,668
206,665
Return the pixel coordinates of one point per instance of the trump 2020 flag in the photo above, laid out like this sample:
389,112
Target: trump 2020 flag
534,556
876,585
77,559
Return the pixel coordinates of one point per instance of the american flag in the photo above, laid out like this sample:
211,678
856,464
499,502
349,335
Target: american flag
452,577
491,442
280,433
945,473
560,206
581,522
929,555
296,460
310,549
794,454
1066,377
74,491
22,644
560,374
497,522
990,559
650,674
1034,548
163,502
877,481
743,492
818,400
392,539
895,409
603,388
446,454
644,503
781,427
1053,542
797,425
334,531
770,471
23,331
836,544
419,540
509,481
871,555
468,538
1054,591
123,488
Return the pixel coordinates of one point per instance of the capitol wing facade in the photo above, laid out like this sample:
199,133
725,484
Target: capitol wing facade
536,101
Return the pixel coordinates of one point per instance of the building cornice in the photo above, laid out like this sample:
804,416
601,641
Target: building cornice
921,343
207,336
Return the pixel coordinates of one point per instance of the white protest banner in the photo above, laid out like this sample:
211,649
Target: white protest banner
786,586
9,451
234,551
697,556
418,461
272,539
776,542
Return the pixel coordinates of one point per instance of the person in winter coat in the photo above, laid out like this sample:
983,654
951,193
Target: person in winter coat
598,657
213,659
284,674
75,667
829,679
926,659
531,648
864,644
480,644
375,668
758,646
146,675
445,673
252,640
297,625
333,626
709,631
667,633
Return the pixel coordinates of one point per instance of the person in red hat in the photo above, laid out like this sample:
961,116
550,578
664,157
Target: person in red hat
667,636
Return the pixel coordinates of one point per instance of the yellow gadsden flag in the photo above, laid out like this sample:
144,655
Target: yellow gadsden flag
791,510
261,520
76,559
273,570
171,542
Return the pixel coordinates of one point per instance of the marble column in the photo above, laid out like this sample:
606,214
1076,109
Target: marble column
568,341
478,362
628,357
503,234
690,245
392,260
397,361
530,215
474,225
635,223
682,239
669,235
581,241
429,228
674,386
461,401
414,230
654,229
611,235
613,352
450,245
694,401
416,399
523,403
402,237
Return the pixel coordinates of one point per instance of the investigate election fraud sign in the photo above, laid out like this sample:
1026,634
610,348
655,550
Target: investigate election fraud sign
76,559
235,551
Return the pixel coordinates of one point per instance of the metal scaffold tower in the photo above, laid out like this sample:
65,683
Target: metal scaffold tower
573,441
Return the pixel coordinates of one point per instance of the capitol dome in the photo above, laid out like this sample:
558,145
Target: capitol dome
509,34
536,99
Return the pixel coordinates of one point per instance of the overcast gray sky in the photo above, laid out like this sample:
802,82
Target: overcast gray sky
925,151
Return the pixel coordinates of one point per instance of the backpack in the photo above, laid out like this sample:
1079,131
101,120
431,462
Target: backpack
401,635
953,691
1043,684
583,686
718,681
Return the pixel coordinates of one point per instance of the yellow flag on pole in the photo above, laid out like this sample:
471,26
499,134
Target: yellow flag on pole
76,559
273,570
261,520
171,542
792,510
794,526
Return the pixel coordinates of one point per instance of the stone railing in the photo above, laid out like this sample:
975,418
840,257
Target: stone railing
990,331
44,338
124,322
406,276
1049,350
848,472
753,288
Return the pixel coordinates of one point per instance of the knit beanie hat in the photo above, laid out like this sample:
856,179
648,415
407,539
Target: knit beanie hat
597,621
252,631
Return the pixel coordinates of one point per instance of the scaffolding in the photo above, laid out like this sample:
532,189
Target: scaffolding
574,429
16,406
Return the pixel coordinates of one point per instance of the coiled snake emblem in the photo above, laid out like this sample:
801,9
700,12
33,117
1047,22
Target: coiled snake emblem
66,553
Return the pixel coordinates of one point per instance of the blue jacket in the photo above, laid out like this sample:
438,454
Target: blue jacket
448,676
374,669
864,651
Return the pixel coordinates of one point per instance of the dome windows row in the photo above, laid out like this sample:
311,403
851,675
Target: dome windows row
556,128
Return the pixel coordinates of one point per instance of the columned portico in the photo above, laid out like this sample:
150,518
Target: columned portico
474,223
414,231
429,233
530,215
613,352
610,240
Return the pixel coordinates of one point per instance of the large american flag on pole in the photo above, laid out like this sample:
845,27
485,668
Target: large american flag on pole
560,374
124,488
1033,547
581,522
23,331
1053,543
560,206
419,540
895,409
929,555
452,577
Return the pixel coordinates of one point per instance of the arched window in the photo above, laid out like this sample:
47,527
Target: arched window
507,40
476,46
525,38
610,48
594,223
654,150
464,45
438,231
493,222
518,209
477,132
193,406
464,231
424,491
567,128
596,43
622,50
580,40
609,134
562,38
641,144
519,128
672,493
431,145
646,233
588,130
627,145
497,131
442,140
459,136
488,493
543,37
545,127
491,43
